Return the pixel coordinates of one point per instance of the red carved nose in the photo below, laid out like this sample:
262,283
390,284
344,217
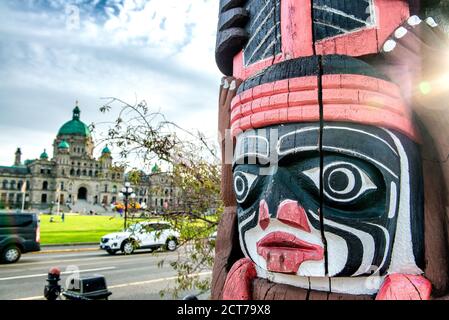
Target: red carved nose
293,214
264,215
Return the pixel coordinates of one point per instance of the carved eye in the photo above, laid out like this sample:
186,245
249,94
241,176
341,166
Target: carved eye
242,185
342,181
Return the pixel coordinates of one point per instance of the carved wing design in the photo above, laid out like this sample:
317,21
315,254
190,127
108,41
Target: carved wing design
231,36
335,17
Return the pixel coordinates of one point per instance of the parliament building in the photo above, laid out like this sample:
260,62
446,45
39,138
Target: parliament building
74,178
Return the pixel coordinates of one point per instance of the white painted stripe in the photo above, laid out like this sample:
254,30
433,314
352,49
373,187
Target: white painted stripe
331,26
62,273
402,256
393,200
341,13
260,26
140,283
31,298
271,45
360,155
363,132
387,245
366,239
241,226
259,14
263,41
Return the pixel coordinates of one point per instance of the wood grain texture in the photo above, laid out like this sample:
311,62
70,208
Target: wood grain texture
266,290
435,207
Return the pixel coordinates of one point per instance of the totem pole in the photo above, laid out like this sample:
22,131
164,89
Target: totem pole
334,141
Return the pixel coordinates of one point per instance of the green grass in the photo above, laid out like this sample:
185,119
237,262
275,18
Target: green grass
85,229
77,229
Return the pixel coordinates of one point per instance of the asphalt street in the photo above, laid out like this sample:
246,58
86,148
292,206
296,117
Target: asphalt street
135,277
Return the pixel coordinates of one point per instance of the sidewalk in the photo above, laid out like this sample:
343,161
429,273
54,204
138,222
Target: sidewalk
66,248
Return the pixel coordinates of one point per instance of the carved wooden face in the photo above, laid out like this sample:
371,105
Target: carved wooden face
350,207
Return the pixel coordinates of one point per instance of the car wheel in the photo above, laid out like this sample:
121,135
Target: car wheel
11,254
172,245
111,252
128,247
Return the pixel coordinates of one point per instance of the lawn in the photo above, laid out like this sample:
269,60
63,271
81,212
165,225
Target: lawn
77,229
85,229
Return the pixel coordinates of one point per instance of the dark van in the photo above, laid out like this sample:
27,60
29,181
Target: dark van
19,233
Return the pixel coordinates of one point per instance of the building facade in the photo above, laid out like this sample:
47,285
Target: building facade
75,179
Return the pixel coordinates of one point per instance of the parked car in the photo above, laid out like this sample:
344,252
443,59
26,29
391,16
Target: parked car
143,235
19,233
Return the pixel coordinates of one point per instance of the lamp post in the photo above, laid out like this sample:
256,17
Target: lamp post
127,192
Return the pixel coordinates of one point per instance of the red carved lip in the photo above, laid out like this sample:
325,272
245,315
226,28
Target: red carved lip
284,253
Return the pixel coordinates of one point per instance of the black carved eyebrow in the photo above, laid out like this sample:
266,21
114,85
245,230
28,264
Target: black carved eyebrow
231,35
365,142
253,145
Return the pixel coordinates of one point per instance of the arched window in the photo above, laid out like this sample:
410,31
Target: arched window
5,184
78,172
84,173
44,198
45,186
13,185
90,173
72,172
19,185
114,189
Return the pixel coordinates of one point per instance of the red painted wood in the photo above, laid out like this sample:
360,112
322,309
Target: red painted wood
405,287
392,14
264,215
389,14
296,29
297,39
293,214
239,281
346,98
370,115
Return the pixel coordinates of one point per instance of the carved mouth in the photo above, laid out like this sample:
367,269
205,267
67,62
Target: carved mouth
284,253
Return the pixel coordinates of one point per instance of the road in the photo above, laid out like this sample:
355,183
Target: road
135,277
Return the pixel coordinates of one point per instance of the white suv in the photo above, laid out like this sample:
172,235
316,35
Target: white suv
143,235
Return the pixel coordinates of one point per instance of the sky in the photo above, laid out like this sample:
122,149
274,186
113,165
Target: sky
55,52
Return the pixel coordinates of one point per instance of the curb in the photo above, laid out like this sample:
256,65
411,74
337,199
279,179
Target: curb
66,251
50,251
69,244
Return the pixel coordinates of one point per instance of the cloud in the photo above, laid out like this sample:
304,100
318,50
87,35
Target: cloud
54,52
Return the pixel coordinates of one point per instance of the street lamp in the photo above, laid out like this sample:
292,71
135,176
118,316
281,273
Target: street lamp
127,192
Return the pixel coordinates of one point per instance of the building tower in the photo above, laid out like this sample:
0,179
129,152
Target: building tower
18,159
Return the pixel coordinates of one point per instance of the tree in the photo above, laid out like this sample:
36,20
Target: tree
190,161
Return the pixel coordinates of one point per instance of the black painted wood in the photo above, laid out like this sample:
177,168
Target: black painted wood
230,4
236,17
263,29
336,17
229,43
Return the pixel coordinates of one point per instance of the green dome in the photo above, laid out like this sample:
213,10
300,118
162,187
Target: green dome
75,127
106,150
63,145
155,169
44,155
